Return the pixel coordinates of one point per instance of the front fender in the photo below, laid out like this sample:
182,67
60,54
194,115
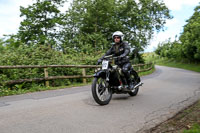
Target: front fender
100,73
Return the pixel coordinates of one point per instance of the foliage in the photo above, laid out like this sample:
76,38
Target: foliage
177,63
88,25
81,35
92,22
6,91
147,72
136,57
42,22
41,55
170,49
190,37
1,45
188,45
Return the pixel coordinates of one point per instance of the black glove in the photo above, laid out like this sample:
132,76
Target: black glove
99,61
119,57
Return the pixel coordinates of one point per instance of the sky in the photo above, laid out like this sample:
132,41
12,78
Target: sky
181,10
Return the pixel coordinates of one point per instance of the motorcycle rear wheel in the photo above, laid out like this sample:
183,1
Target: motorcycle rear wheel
135,81
135,92
100,92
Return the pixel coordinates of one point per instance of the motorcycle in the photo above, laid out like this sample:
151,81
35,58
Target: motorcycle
109,79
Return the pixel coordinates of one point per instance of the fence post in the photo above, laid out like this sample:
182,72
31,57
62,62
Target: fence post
46,76
84,74
139,68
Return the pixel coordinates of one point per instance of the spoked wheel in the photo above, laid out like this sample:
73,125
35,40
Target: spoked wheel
101,92
135,79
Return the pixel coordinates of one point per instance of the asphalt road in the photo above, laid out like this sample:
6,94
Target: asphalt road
73,110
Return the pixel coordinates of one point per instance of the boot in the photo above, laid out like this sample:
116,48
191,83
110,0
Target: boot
126,86
131,86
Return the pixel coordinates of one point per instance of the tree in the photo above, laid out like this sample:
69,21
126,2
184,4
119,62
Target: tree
188,45
1,45
190,37
88,25
94,21
140,20
42,22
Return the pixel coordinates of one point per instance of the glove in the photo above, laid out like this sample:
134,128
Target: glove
120,57
99,61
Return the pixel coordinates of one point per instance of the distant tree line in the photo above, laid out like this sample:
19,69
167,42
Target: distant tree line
187,46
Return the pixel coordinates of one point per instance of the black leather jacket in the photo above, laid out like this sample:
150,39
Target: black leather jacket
121,50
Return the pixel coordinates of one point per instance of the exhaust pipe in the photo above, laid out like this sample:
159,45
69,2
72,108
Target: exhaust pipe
139,84
120,87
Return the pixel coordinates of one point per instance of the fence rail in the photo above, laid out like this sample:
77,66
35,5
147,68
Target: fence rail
47,77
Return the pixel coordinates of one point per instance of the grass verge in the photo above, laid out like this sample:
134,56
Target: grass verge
36,88
147,72
174,63
186,121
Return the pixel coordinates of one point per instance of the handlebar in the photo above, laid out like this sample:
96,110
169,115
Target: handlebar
110,57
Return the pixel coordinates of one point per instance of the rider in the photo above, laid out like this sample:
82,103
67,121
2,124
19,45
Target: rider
121,50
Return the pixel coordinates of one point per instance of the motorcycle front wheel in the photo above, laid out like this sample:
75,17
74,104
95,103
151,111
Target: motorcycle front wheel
101,93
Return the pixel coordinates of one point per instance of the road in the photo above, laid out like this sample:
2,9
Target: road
73,110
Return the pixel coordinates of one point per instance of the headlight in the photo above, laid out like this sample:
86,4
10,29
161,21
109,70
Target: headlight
97,69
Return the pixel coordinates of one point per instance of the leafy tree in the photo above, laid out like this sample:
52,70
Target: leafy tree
92,22
12,42
89,24
1,45
190,37
140,20
42,22
188,45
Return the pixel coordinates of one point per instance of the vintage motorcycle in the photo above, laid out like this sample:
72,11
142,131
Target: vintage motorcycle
109,79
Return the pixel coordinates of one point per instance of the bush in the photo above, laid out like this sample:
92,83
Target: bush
42,55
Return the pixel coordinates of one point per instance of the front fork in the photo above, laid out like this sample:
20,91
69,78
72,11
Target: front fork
107,75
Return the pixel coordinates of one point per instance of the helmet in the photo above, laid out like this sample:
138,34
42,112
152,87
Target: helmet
118,33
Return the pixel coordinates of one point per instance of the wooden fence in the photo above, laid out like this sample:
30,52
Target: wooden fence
46,78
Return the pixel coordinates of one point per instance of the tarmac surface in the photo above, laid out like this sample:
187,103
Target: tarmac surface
73,110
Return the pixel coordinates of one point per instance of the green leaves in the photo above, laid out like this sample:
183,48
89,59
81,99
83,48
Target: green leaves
188,46
41,23
99,17
190,37
43,55
89,24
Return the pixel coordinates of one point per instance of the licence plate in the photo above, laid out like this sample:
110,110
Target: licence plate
105,64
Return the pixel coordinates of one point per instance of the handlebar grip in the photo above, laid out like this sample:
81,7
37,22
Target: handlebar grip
109,56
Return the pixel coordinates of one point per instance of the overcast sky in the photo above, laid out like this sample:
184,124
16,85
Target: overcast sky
181,10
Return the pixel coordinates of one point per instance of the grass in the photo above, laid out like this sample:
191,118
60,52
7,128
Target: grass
35,88
147,72
174,63
195,129
152,57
